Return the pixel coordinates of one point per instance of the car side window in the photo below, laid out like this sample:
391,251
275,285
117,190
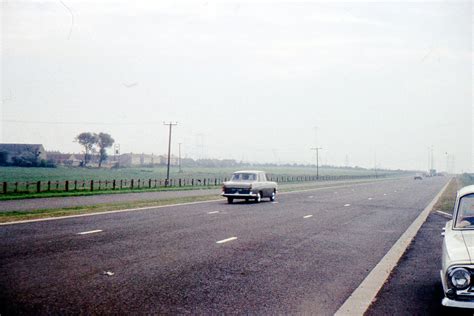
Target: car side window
262,177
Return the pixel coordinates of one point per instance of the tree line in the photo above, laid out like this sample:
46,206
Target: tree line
93,143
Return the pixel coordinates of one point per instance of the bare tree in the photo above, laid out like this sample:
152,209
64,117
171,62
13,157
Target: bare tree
88,141
104,141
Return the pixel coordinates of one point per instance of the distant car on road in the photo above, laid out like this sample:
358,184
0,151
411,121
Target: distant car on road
457,274
418,176
249,185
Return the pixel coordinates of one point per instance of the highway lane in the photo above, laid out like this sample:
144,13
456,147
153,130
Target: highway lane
74,201
168,260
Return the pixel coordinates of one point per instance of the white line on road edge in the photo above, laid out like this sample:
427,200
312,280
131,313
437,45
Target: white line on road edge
26,221
90,232
308,216
444,213
226,240
361,299
214,212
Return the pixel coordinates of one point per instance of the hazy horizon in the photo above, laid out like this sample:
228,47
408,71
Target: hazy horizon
245,80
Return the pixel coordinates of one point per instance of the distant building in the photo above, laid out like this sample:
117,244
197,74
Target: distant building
131,160
163,160
65,159
8,152
135,160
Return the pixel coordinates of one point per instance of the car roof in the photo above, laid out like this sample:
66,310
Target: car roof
466,190
249,171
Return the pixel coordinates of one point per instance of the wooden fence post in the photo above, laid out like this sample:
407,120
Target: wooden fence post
131,184
5,187
67,185
38,186
113,185
92,185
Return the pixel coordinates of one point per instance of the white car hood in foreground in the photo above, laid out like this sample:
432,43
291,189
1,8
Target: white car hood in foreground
469,240
456,251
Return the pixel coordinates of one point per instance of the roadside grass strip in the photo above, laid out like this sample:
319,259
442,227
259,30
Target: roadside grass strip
361,299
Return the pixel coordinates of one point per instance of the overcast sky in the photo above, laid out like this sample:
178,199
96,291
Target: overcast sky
248,80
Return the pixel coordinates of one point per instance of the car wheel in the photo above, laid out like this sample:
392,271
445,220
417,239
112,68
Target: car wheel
273,196
258,198
230,200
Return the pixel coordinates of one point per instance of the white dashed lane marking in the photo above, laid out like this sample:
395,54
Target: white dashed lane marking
214,212
308,216
226,240
90,232
370,199
347,205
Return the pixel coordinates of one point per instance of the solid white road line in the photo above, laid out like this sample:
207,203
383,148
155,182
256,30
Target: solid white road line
90,232
361,299
308,216
214,212
226,240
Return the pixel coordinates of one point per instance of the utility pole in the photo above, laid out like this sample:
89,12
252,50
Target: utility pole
179,158
375,164
447,162
317,149
170,124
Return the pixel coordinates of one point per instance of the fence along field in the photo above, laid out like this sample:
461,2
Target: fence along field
137,184
44,180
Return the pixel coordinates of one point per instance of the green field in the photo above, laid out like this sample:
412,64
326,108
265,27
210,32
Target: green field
17,174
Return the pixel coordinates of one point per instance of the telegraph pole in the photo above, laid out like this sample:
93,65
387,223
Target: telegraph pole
317,149
179,158
170,124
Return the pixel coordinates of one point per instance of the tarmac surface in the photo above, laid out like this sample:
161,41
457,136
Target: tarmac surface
305,253
74,201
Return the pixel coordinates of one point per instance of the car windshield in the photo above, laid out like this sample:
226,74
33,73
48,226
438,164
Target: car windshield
465,217
244,177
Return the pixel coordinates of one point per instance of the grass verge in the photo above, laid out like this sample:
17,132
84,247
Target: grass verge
21,196
13,216
447,200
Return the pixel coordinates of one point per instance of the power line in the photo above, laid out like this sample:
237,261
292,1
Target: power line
78,123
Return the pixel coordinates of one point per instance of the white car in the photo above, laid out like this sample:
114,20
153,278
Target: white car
249,185
457,274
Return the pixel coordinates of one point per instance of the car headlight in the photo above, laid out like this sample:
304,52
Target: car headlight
460,278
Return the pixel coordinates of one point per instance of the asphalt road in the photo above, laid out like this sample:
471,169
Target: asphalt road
167,260
74,201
